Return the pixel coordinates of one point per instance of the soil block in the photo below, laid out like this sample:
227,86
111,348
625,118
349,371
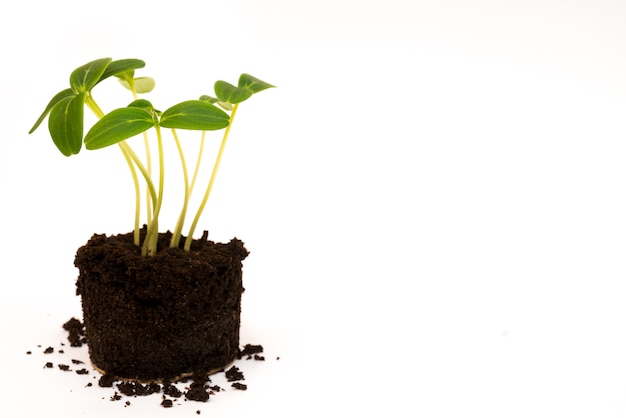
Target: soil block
161,317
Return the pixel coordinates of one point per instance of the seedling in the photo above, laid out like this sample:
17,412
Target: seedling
65,113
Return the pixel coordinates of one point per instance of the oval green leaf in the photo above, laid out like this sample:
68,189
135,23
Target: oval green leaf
55,100
142,84
86,77
117,126
121,66
197,115
249,82
66,124
209,99
142,104
228,93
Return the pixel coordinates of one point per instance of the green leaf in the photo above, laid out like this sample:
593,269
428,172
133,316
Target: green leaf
195,115
209,99
253,83
142,104
117,126
228,93
118,67
144,84
55,100
86,77
225,106
66,124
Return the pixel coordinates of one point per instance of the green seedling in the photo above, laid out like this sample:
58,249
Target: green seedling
65,113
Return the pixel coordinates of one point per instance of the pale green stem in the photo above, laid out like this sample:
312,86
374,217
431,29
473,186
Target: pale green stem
181,218
146,143
91,103
150,243
198,161
189,238
149,203
136,230
127,149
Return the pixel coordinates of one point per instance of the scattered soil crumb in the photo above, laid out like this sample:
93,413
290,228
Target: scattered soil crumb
48,365
106,381
167,403
82,371
250,349
234,374
171,391
76,331
48,350
64,367
137,389
239,386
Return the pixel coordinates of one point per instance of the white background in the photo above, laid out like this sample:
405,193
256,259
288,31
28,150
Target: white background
433,198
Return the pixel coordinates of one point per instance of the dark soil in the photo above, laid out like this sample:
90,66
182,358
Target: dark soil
160,317
234,374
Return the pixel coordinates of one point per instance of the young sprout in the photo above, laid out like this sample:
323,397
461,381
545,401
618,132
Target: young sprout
66,127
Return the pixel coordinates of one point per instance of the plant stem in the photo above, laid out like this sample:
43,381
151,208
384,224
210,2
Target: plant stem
146,143
216,166
149,203
91,103
181,218
195,173
136,230
150,243
127,149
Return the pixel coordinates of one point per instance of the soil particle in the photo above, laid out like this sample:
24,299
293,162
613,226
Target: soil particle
82,371
137,389
234,374
48,365
171,391
167,403
48,350
106,381
239,386
250,349
76,331
64,367
197,394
